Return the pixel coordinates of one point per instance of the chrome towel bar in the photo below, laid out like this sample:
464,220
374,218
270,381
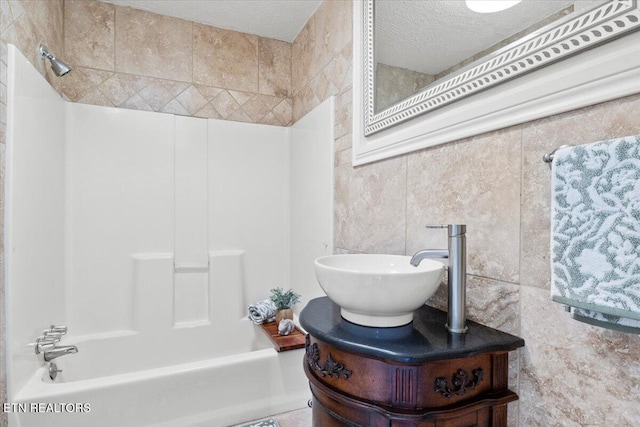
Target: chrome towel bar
548,158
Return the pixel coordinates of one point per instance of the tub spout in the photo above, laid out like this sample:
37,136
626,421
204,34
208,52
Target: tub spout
56,352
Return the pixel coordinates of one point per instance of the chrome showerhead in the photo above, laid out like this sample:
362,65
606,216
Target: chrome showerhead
59,68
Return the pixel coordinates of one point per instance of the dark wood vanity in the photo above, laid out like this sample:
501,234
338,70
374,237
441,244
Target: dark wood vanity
416,375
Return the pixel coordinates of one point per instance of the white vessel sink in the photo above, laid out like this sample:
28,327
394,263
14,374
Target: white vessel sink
378,290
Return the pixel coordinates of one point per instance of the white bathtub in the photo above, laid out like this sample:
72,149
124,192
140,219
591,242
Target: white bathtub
128,381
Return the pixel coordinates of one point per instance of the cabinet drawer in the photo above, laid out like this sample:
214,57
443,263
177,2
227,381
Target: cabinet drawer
334,409
452,381
432,385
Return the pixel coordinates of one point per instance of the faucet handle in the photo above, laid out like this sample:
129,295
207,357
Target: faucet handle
61,329
45,343
48,338
48,334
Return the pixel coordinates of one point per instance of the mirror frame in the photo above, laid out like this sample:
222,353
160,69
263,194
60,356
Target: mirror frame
551,43
600,75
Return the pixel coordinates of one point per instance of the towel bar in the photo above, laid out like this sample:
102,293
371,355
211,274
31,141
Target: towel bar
548,158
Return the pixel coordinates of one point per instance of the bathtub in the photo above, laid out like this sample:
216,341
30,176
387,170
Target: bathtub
128,380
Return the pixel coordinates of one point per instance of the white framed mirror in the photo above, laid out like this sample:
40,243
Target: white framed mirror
566,55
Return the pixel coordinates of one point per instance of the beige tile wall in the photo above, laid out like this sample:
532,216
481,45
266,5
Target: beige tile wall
135,59
26,24
321,64
393,84
569,373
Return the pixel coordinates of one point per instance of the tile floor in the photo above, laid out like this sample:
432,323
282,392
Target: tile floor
298,418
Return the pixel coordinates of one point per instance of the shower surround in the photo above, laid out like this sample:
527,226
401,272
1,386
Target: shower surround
149,234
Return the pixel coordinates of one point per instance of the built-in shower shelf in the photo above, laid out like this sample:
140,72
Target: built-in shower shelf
283,342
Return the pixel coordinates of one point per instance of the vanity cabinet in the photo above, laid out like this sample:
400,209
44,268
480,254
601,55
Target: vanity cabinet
416,375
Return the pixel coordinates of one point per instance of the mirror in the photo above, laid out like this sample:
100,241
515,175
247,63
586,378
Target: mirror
421,55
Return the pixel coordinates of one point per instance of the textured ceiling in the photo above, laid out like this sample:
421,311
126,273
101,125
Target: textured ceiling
431,36
421,35
276,19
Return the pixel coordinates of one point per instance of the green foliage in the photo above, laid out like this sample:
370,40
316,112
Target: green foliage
283,299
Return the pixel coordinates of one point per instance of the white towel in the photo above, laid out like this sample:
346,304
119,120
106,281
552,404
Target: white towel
262,311
595,232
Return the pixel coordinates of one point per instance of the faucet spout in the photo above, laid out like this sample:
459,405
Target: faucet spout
56,352
417,258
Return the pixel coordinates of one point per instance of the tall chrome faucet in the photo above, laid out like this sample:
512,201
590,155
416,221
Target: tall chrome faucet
457,274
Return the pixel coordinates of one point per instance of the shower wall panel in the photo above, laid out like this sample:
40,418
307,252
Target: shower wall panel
191,255
151,192
34,225
248,202
311,193
191,191
153,294
120,205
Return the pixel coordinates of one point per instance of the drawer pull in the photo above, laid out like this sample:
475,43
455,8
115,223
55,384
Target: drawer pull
461,383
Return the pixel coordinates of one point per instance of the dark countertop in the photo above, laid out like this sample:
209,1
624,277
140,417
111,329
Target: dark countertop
423,340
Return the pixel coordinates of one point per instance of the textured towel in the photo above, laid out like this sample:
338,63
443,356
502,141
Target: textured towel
595,232
262,311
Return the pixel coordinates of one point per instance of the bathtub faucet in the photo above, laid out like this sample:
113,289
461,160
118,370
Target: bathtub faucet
55,352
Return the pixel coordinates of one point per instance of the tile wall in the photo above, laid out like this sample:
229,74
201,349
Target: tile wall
321,65
393,84
135,59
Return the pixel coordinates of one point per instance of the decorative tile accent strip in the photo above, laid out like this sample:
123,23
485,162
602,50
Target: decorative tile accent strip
98,87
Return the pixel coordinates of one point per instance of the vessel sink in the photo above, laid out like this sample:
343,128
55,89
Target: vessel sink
378,290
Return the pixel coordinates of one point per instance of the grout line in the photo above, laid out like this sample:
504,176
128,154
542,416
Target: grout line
258,63
494,279
520,240
115,10
520,263
406,202
64,38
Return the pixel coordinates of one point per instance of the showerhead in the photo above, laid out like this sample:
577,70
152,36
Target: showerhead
59,68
